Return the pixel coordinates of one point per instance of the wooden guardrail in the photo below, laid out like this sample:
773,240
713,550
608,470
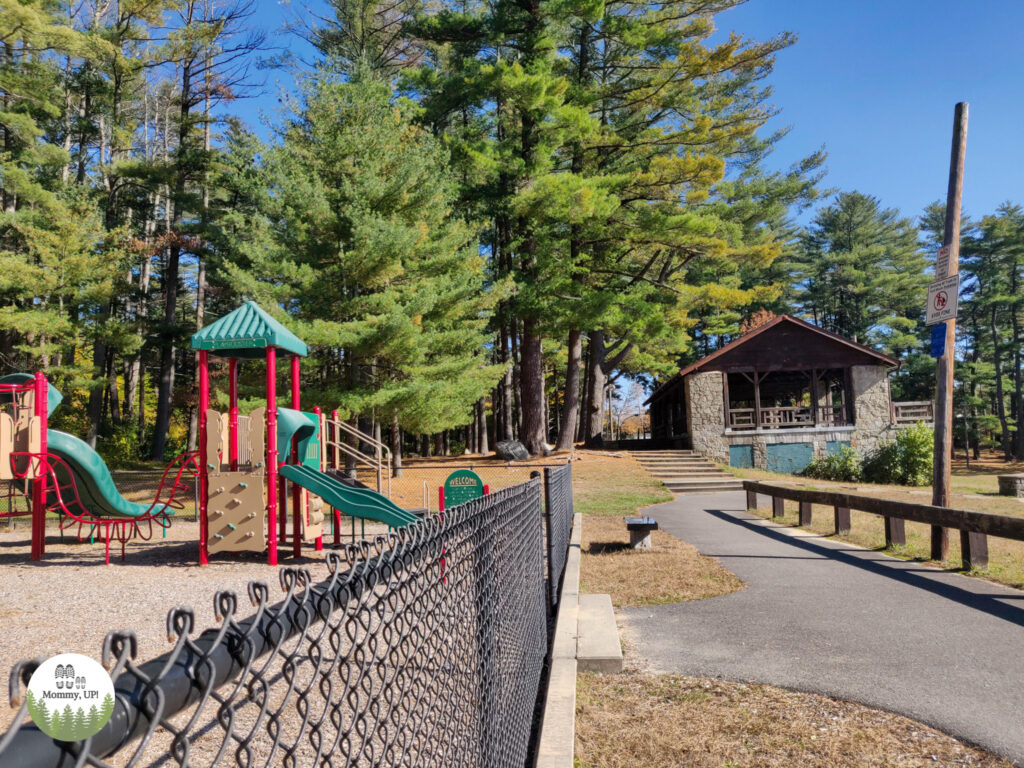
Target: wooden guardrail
974,527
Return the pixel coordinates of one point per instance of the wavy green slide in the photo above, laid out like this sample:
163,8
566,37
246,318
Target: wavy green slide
355,502
92,478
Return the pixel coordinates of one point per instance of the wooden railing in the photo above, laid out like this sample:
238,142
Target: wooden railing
913,411
787,417
974,527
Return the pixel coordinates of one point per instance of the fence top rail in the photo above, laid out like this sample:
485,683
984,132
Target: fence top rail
1003,526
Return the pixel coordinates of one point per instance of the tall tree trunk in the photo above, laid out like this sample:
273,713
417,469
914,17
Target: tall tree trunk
168,351
584,424
532,388
481,438
396,447
1000,398
571,407
98,392
596,382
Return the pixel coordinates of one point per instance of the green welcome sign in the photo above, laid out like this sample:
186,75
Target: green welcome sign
461,486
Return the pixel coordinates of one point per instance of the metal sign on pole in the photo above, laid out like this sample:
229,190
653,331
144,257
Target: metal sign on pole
942,263
943,296
948,261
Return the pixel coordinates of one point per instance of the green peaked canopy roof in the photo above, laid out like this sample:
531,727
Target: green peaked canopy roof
246,333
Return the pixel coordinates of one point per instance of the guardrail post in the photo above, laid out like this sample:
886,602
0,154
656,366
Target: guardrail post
842,515
974,549
805,513
895,532
778,506
751,500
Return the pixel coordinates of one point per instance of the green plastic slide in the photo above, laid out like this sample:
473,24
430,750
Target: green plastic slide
96,487
354,502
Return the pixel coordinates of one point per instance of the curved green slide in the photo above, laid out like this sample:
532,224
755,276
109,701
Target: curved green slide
355,502
92,477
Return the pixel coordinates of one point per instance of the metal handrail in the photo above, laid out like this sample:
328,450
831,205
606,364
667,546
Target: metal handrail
376,461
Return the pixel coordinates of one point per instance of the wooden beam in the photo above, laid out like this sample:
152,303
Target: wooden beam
806,512
757,400
725,397
974,550
815,405
778,506
1002,526
842,517
895,532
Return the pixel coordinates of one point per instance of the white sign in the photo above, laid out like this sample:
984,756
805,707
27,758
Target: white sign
942,300
942,263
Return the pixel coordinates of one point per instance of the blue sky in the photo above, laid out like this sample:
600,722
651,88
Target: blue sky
873,82
876,84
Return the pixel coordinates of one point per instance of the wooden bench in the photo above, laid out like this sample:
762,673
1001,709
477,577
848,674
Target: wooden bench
640,531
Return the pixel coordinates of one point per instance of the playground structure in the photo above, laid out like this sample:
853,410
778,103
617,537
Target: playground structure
242,499
238,467
61,474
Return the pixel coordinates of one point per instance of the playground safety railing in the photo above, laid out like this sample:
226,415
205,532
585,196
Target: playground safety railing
424,647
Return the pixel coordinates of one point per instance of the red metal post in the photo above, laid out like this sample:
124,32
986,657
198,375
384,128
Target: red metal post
319,544
336,464
440,498
296,490
204,468
271,456
233,414
487,490
40,387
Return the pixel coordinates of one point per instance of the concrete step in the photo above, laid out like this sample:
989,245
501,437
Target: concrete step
597,643
674,471
654,454
677,463
704,486
679,471
684,460
667,476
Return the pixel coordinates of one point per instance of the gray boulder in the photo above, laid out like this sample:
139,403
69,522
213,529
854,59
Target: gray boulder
511,450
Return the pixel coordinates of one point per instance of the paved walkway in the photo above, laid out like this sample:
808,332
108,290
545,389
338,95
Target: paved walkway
823,616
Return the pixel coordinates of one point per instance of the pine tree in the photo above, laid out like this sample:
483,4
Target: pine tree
348,224
860,272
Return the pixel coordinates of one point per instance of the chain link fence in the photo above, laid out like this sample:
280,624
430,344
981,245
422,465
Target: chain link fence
424,647
416,484
558,513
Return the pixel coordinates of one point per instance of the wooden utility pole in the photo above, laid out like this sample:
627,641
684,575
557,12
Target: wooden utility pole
944,365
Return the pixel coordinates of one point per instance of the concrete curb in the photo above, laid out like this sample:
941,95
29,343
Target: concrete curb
558,726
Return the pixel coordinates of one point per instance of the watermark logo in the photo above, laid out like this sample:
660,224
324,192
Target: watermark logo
70,697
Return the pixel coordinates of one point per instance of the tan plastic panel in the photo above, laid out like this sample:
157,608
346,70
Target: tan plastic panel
35,445
6,446
214,433
257,439
237,513
314,528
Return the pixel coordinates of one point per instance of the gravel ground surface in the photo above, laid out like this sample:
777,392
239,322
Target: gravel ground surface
68,602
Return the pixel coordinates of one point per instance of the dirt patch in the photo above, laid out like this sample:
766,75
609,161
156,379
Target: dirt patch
671,571
664,721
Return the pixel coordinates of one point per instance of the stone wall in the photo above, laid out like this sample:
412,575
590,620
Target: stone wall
705,414
872,419
873,408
